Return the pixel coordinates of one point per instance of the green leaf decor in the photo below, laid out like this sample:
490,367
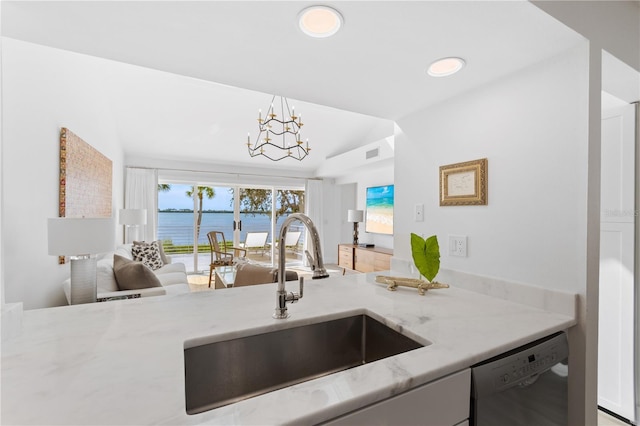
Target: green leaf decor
426,255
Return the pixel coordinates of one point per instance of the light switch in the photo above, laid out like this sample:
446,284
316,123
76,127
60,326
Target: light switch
419,214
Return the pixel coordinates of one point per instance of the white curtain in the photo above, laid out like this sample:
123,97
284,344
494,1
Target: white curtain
141,192
313,209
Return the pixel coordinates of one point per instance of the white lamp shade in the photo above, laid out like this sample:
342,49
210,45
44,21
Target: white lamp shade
133,216
355,216
81,236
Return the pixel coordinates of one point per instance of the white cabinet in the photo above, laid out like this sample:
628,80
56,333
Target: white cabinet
617,233
442,402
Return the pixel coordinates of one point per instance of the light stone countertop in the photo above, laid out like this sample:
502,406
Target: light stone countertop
121,362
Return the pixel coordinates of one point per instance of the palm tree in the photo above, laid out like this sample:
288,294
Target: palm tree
201,192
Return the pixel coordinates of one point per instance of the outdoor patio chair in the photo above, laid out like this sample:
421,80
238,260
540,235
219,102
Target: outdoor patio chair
291,240
221,254
256,241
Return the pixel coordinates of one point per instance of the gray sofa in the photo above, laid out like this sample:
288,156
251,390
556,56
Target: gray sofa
172,277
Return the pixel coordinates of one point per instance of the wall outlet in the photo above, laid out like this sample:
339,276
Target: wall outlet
458,245
419,213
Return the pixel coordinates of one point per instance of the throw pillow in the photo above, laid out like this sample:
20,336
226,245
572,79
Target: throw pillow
165,259
133,275
148,253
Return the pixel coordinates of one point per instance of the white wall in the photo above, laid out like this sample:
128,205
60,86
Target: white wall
528,126
612,25
534,129
1,173
331,235
43,90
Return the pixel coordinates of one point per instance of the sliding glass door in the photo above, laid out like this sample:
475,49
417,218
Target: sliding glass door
216,215
254,218
250,217
290,201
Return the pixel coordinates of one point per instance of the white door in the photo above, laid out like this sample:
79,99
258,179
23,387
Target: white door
616,305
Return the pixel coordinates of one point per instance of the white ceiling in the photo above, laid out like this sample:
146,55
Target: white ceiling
374,67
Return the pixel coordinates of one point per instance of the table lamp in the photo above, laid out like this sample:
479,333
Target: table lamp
79,238
132,219
355,216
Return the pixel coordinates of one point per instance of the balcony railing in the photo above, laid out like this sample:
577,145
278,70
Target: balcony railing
177,242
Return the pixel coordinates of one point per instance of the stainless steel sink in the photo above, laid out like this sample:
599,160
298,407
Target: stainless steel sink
221,373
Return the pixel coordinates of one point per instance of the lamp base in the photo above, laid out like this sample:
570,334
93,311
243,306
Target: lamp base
132,233
355,233
83,280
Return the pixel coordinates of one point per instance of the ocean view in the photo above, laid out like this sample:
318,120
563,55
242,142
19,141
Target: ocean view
178,226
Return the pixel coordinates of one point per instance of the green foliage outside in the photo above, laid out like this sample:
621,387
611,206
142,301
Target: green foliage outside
426,255
170,248
258,201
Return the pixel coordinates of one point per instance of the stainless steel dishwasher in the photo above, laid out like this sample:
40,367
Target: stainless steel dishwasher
525,386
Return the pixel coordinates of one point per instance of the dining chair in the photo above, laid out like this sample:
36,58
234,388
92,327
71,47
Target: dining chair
221,254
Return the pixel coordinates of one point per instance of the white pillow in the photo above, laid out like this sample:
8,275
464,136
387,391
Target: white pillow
124,251
105,277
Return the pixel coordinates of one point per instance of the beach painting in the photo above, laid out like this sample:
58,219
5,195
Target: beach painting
379,219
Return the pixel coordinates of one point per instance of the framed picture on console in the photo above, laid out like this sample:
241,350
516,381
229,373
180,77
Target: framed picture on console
464,184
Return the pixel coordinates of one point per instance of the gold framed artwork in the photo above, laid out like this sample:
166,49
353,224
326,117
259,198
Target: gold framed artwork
464,184
85,179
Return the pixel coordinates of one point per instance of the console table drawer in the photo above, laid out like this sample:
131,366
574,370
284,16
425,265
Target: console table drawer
345,256
364,259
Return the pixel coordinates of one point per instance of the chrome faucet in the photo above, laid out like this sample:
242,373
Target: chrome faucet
317,265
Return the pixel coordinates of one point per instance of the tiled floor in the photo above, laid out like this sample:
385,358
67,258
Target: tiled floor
606,420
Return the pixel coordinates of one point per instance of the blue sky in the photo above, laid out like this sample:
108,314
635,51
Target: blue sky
176,198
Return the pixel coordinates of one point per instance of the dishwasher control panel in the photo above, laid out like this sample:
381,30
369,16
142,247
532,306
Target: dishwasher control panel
520,366
523,367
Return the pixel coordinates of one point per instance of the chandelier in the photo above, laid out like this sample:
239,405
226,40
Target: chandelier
280,135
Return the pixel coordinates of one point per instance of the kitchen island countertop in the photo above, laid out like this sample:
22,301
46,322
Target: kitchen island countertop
122,362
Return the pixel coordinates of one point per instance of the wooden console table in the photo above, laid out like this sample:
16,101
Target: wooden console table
364,259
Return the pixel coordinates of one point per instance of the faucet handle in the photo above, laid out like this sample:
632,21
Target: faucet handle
301,286
293,297
311,260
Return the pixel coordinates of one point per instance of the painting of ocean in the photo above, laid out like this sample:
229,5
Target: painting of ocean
379,213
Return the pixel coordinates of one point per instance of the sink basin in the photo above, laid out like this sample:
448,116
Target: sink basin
225,372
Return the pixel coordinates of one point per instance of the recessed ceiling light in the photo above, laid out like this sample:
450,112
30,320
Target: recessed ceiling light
445,66
320,21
